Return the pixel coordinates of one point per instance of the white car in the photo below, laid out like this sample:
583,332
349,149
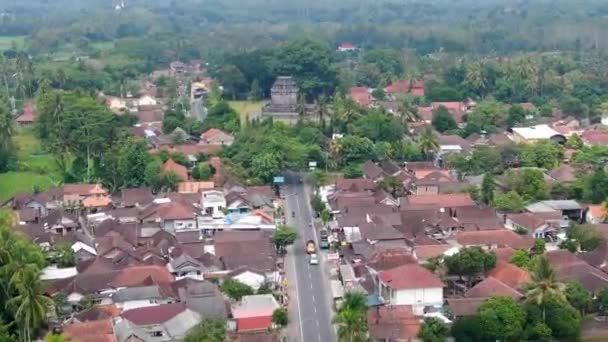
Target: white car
314,260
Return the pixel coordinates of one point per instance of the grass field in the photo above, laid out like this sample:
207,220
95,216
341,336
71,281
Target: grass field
7,41
245,108
36,169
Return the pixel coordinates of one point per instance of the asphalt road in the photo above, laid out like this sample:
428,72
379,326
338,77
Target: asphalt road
313,312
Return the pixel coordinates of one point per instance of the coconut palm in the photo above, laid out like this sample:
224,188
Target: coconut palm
31,307
543,284
407,111
428,141
476,76
352,318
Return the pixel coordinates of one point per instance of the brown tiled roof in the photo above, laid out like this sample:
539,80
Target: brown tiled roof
504,253
461,307
136,275
390,258
510,274
194,187
595,138
392,323
430,251
361,95
154,314
98,312
355,185
529,221
441,200
409,276
502,237
571,268
93,331
132,196
180,170
371,170
84,189
492,287
96,201
373,232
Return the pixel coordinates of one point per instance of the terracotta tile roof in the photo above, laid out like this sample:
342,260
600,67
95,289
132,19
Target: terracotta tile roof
361,95
96,201
441,200
597,211
347,46
355,185
409,276
430,251
504,253
425,113
492,287
529,221
154,314
194,187
180,170
571,268
93,331
501,238
214,135
175,211
136,275
254,323
390,258
28,114
84,189
98,312
510,274
595,138
461,307
404,87
394,323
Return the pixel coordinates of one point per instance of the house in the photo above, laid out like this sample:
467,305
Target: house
186,266
440,201
347,47
452,144
75,193
172,215
539,225
410,284
254,312
492,286
596,214
490,239
595,138
405,88
393,323
101,330
436,182
252,250
201,296
362,96
194,187
214,136
536,133
165,322
457,109
510,275
567,208
179,170
26,119
569,267
250,277
135,197
213,203
139,297
147,100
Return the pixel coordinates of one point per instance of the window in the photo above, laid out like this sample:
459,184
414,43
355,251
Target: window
157,334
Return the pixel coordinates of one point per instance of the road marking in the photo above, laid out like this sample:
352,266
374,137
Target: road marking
315,307
295,270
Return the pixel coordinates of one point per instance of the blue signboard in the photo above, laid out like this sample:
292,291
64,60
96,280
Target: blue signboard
278,180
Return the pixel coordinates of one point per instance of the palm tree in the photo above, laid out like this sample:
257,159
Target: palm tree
428,141
352,318
407,111
544,284
31,307
475,76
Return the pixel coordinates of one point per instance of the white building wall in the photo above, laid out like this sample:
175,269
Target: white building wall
418,298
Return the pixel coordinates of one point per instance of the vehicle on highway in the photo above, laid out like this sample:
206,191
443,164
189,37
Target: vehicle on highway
314,260
310,247
324,241
293,214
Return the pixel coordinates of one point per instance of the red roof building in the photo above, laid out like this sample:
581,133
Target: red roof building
409,276
27,117
405,88
214,136
157,314
510,275
346,47
441,200
254,312
179,170
361,95
494,239
592,138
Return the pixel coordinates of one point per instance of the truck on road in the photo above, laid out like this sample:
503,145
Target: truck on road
311,247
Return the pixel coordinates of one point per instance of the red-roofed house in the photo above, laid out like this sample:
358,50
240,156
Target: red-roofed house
138,275
214,136
347,47
93,331
254,312
410,284
171,321
441,200
595,214
26,119
592,138
362,96
405,88
510,274
179,170
457,109
495,238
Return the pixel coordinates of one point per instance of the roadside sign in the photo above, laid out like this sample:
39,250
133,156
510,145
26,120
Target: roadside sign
278,180
333,256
